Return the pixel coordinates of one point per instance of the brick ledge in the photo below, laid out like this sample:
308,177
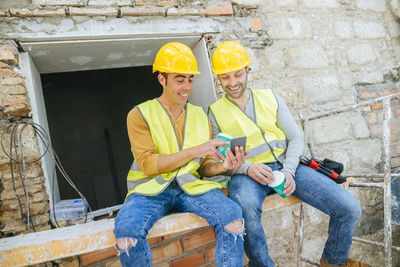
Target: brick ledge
64,242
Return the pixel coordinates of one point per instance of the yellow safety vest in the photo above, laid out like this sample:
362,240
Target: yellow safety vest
196,132
261,136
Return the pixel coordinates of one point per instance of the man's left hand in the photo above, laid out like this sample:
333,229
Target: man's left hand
290,184
233,162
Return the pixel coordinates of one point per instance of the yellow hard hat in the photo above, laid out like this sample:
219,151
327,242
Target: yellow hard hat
175,58
229,56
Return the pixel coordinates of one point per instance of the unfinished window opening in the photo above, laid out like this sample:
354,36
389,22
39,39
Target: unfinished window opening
81,91
86,113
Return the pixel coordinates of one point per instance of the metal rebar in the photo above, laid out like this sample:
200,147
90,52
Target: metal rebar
379,185
371,242
351,107
301,232
387,200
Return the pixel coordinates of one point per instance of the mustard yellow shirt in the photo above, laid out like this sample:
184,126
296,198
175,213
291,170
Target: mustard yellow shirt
142,143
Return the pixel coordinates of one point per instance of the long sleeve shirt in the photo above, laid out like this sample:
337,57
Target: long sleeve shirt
142,143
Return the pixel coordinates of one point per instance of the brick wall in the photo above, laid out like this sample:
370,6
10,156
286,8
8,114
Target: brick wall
196,248
374,113
14,106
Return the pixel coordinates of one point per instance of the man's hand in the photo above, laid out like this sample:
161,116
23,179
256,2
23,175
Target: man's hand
260,173
210,149
233,162
290,184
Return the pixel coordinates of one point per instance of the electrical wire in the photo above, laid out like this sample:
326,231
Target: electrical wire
20,160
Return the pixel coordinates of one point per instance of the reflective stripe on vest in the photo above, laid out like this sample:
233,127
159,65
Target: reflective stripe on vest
233,121
195,132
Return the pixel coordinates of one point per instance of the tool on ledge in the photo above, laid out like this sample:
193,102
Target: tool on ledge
328,167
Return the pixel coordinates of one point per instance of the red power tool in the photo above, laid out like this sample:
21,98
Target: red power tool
328,167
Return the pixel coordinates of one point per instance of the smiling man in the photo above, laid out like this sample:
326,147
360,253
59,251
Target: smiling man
275,143
169,137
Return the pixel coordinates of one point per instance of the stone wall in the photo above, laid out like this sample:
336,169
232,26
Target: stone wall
317,55
325,55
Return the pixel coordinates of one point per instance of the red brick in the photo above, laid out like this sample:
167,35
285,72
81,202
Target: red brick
210,253
394,138
22,100
181,233
198,239
154,240
7,73
18,110
375,129
99,255
395,162
376,106
219,9
256,24
8,56
5,207
195,259
166,251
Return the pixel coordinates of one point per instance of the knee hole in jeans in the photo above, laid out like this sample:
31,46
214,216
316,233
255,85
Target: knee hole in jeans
126,243
235,227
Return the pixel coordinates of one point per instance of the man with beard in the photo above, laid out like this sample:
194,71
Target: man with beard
275,143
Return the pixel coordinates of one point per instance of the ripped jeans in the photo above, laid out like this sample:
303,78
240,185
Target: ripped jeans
139,213
313,188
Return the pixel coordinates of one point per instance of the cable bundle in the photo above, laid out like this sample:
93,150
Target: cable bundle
17,158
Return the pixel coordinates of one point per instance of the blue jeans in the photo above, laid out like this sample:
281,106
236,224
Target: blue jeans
313,188
139,213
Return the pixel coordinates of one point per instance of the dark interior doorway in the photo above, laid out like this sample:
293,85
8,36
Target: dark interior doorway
86,112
